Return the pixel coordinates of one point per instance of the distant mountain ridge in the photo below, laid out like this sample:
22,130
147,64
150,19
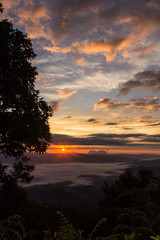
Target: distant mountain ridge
92,157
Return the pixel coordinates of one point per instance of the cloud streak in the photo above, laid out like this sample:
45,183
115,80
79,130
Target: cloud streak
106,139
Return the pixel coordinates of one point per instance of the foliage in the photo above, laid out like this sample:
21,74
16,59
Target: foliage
68,232
19,172
24,115
47,235
1,8
12,228
155,238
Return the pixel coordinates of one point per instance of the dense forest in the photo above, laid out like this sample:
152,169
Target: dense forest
130,208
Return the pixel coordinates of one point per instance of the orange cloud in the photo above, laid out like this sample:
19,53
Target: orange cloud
31,15
144,103
107,48
97,46
79,61
57,49
65,93
109,104
10,3
36,13
70,20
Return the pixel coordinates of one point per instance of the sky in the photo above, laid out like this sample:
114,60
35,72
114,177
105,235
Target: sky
98,64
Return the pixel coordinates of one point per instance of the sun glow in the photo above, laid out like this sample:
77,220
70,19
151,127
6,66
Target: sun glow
84,149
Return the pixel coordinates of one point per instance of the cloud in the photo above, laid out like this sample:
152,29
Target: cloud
79,61
34,17
144,50
36,11
146,79
55,105
99,46
57,49
152,138
154,124
148,19
93,139
108,103
65,93
68,117
65,22
111,18
111,124
72,18
107,139
145,119
108,48
107,29
10,4
148,103
92,120
92,15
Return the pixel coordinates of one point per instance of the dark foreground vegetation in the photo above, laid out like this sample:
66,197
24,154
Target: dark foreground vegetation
130,209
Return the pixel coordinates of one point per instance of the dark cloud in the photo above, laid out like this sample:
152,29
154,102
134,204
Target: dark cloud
136,139
68,117
80,20
154,124
87,15
146,79
111,124
92,120
55,105
106,136
152,138
65,13
116,11
96,139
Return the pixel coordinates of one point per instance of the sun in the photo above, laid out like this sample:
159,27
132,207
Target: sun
63,149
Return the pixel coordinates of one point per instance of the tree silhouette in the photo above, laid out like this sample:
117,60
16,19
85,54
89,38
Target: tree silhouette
23,114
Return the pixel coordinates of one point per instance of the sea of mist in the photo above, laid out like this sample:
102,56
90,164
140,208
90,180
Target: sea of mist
75,172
